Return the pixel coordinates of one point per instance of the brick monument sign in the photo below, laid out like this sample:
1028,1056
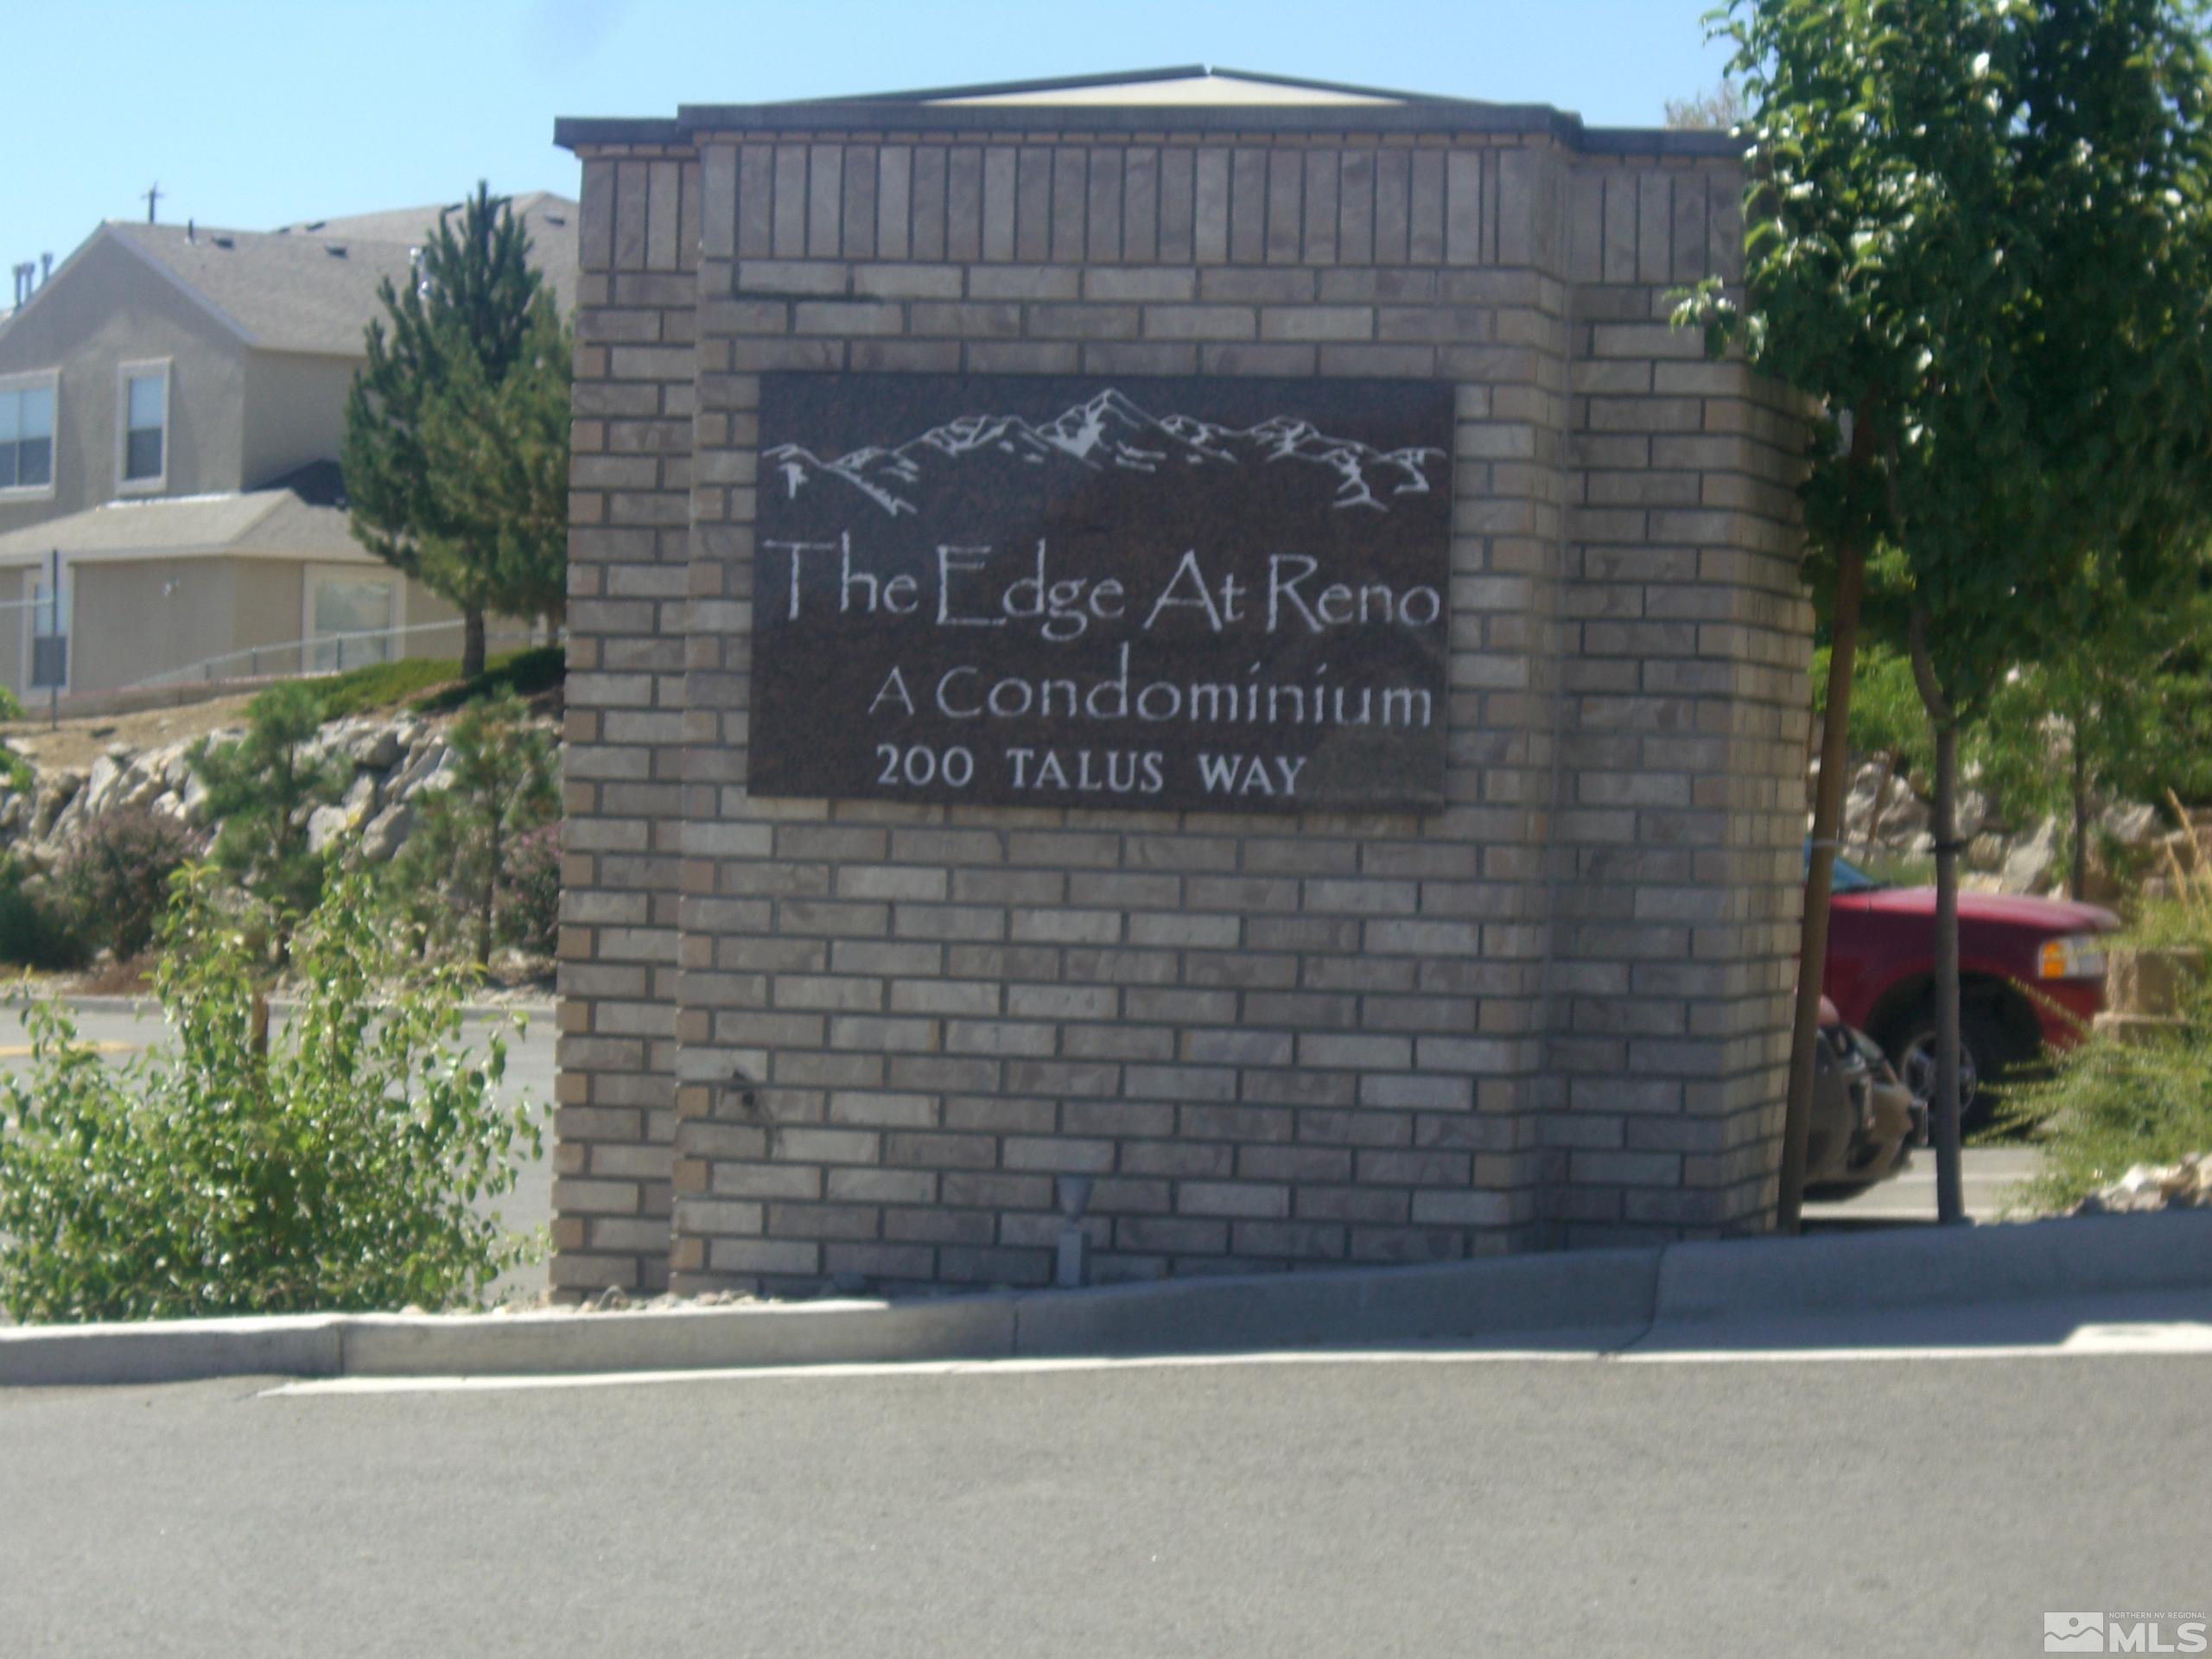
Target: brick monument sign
1185,662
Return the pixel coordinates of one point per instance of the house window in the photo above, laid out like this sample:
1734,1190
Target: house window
145,424
27,435
349,621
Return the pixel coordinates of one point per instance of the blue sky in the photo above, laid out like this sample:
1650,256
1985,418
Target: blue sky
252,113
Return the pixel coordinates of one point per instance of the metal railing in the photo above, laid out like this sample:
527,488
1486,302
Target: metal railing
335,653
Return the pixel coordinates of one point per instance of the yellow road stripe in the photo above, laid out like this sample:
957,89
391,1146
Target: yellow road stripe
22,1051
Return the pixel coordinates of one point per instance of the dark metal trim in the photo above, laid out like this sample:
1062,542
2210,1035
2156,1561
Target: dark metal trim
589,131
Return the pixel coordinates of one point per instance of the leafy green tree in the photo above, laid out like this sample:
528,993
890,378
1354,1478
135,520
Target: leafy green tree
449,454
1887,720
2124,715
505,784
1716,110
261,788
1976,234
341,1168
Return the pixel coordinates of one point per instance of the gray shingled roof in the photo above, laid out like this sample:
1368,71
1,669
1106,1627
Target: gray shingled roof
302,289
274,523
550,221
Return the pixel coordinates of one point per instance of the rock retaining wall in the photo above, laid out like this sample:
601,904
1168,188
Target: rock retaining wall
396,760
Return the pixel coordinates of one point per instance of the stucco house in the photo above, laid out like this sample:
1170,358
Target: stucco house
172,406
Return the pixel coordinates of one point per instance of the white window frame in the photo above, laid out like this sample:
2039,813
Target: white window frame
34,576
30,378
314,576
125,374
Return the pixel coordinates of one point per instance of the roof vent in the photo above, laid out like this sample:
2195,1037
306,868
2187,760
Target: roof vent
223,241
316,223
335,250
555,218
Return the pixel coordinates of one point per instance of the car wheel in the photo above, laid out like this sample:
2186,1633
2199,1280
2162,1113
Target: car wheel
1982,1060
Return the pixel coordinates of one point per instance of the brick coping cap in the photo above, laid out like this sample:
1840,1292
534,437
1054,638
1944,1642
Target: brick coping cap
869,117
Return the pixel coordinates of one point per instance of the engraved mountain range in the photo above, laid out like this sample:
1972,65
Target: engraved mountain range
1108,434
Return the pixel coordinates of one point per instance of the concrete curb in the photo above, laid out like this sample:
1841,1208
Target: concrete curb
1596,1300
1928,1267
171,1350
674,1340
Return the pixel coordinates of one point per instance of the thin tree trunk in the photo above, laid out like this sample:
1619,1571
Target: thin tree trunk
2077,883
472,643
484,907
1820,875
1820,871
1950,1205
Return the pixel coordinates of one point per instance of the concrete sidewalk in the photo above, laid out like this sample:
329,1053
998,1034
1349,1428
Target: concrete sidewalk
1596,1300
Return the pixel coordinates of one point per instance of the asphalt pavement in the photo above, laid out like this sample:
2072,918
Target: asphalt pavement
1854,1496
1987,1177
1415,1504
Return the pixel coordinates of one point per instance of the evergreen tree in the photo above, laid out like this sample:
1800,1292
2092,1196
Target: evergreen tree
454,426
506,782
261,789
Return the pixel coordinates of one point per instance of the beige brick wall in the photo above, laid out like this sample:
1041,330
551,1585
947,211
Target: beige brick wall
630,516
861,1038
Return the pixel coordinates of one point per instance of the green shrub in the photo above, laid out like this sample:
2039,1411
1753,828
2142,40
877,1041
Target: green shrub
261,788
381,685
15,771
504,782
113,883
530,908
2118,1098
35,931
336,1170
433,685
523,674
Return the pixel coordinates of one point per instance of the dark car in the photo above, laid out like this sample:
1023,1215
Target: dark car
2031,976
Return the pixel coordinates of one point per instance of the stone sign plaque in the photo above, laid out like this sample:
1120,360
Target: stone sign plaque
1222,595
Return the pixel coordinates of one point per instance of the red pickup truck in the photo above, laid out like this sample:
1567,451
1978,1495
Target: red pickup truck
2031,975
